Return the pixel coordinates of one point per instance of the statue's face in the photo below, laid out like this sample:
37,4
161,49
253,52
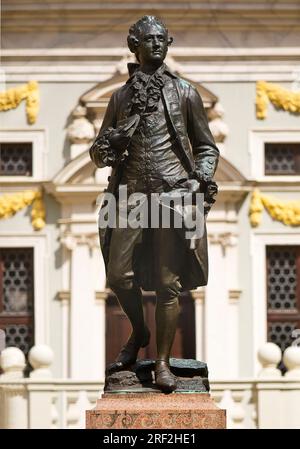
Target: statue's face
153,45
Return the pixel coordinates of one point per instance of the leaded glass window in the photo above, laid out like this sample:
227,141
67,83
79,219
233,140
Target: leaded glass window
283,293
15,159
17,296
282,158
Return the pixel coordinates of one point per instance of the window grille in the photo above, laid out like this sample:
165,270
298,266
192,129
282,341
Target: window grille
15,159
283,293
17,296
282,159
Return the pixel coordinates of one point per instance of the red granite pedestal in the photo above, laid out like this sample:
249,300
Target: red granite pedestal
156,411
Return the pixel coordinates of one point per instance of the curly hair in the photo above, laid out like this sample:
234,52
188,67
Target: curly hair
136,30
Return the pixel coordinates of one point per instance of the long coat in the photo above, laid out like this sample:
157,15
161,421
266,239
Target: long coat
194,146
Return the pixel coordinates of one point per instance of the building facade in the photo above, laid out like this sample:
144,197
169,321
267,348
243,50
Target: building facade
62,61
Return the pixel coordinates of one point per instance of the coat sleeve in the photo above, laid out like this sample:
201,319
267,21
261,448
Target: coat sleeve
205,151
101,152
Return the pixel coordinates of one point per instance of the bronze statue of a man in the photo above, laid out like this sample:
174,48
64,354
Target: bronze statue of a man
156,138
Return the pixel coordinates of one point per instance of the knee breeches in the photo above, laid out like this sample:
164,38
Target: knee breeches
167,262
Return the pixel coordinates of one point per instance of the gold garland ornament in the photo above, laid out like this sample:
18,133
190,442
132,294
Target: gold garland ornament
286,212
11,99
13,202
280,97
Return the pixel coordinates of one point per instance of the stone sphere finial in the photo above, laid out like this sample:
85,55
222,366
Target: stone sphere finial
12,361
41,358
291,359
269,355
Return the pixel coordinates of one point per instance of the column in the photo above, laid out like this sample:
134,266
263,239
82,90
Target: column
233,297
217,350
233,339
64,297
101,325
100,304
199,298
86,321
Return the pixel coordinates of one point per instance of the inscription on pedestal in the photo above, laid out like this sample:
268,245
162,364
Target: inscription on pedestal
156,411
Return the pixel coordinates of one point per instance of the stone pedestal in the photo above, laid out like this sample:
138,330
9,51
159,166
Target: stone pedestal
131,400
156,411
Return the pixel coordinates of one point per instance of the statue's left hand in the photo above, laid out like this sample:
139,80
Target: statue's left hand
210,195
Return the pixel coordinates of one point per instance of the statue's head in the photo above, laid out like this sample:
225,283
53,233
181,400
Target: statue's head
148,39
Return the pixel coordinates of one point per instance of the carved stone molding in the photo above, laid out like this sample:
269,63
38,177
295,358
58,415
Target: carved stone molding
217,126
226,239
234,296
81,129
70,241
199,295
115,17
11,390
102,295
63,295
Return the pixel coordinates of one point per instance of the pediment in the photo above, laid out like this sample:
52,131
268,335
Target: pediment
82,170
92,105
98,97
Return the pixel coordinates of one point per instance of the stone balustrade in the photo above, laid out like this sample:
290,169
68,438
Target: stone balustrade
40,401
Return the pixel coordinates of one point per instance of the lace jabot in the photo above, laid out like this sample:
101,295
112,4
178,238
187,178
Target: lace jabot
146,95
146,90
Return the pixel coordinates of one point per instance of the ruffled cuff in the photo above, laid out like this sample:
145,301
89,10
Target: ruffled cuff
201,176
205,167
101,151
204,173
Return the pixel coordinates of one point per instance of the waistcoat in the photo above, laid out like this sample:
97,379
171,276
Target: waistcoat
151,164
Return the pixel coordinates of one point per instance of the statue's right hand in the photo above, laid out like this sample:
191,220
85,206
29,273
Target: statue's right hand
119,140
